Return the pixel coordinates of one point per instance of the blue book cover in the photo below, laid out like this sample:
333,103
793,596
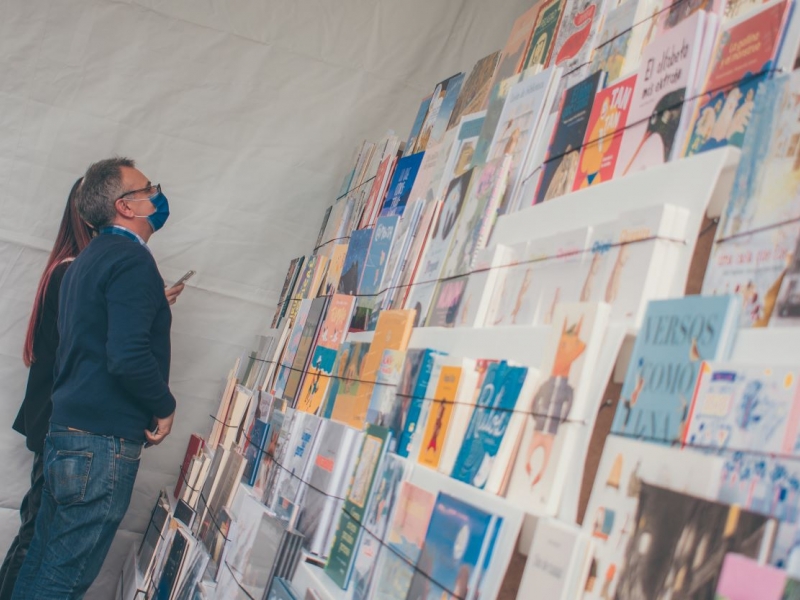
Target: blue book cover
415,386
379,248
354,261
418,120
455,545
252,456
493,410
676,336
402,182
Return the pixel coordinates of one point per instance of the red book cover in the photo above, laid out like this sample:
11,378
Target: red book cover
193,449
604,134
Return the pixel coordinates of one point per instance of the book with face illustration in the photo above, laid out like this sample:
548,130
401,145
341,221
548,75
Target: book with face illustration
679,543
675,337
610,516
561,161
658,112
563,399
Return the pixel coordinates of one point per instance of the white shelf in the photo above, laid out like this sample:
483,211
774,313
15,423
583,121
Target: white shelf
311,576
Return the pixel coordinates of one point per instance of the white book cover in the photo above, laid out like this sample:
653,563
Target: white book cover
511,280
486,274
563,400
610,516
557,561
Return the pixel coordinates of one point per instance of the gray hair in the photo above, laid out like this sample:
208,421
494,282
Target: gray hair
101,187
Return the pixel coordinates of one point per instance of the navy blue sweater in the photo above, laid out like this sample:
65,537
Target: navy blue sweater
112,363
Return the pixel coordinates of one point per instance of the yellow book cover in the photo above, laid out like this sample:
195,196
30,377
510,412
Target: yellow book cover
439,417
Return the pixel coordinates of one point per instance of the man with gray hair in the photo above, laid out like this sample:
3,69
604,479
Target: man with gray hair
111,393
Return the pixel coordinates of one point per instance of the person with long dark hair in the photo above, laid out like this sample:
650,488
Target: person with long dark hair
39,354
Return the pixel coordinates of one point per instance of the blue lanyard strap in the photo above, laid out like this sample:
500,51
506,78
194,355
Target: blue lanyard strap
114,230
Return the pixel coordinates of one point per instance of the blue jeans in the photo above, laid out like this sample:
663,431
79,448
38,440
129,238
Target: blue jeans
88,482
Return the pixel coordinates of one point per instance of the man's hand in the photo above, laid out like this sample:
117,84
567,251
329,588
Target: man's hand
173,293
163,427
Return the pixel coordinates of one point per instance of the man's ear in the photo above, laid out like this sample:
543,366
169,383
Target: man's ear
123,208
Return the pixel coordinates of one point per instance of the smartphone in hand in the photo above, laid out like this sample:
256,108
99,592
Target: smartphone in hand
187,276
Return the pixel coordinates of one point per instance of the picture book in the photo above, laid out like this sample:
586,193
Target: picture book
437,105
462,150
381,507
626,29
658,112
335,267
675,337
607,122
404,236
416,127
404,538
565,397
474,96
351,382
288,489
577,34
520,124
306,343
557,561
411,396
355,261
440,408
679,542
292,344
754,266
444,304
383,395
745,407
354,511
787,303
766,181
446,569
302,288
488,268
610,515
477,217
400,189
379,249
286,291
561,162
743,578
746,50
514,53
441,125
494,410
544,33
252,456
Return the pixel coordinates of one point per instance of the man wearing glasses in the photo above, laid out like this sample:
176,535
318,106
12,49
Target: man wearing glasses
111,394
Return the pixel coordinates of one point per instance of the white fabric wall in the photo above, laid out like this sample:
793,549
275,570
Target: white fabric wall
247,112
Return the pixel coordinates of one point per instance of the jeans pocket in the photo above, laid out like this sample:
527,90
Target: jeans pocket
130,451
68,475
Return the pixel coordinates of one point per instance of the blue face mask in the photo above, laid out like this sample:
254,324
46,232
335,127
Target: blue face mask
161,214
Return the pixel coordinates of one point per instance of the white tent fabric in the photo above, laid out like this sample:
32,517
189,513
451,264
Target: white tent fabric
247,112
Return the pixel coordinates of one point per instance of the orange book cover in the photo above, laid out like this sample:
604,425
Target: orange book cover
439,417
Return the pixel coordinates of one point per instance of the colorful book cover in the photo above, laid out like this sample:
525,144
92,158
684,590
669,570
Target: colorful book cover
454,550
416,127
787,304
349,382
745,407
674,339
404,538
288,488
439,416
610,515
335,268
355,261
562,399
607,122
342,555
614,40
767,182
302,288
320,367
462,150
255,449
577,34
440,126
474,94
746,51
544,33
308,339
685,541
385,391
446,300
379,249
288,286
512,57
490,419
381,508
400,189
291,348
411,396
561,163
439,104
665,79
377,192
743,578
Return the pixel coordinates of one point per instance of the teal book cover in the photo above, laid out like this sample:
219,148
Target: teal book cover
411,393
676,336
487,427
379,248
455,545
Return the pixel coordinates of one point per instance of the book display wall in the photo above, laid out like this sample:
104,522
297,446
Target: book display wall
421,410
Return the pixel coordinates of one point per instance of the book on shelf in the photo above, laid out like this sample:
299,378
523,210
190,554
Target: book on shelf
153,536
385,390
288,285
438,118
354,262
474,95
349,380
626,29
567,396
282,589
399,191
354,510
458,157
411,397
305,345
543,37
487,269
193,449
675,337
290,351
577,39
180,548
514,53
416,127
610,515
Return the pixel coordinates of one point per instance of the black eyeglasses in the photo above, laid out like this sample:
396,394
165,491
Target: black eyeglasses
151,191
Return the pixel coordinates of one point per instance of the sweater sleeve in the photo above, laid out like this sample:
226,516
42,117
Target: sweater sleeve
133,297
